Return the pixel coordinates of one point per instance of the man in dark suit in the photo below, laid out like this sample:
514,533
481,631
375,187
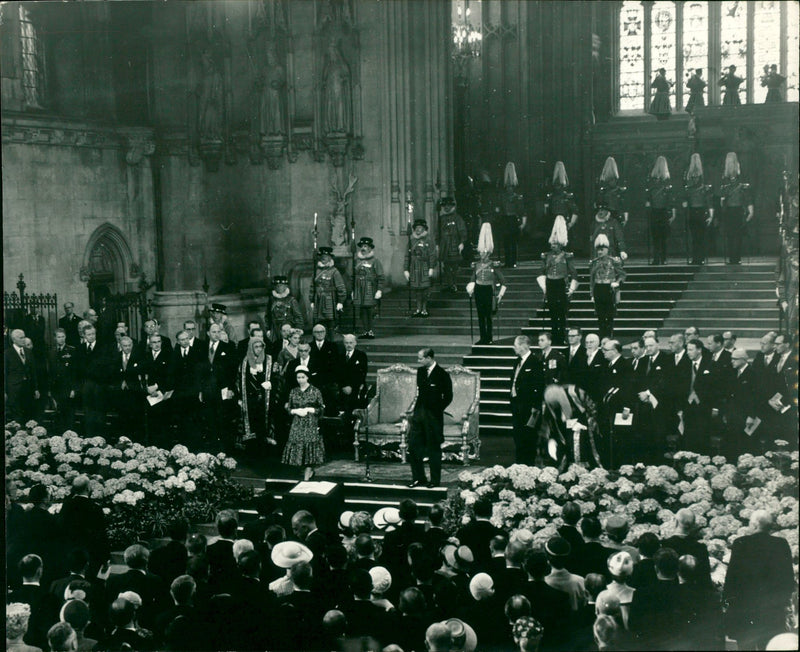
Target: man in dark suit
19,380
169,560
364,618
62,382
156,371
758,585
327,361
527,386
127,396
549,606
701,404
396,542
656,609
303,359
217,381
220,553
151,588
478,533
553,363
352,374
679,374
740,408
43,606
685,542
783,410
256,604
93,375
655,411
151,327
85,524
185,366
576,357
434,394
595,365
69,322
765,360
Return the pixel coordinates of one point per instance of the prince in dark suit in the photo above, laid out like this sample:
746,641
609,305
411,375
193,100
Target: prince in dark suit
434,394
527,385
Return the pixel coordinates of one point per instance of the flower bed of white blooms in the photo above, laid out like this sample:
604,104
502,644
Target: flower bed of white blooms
722,496
140,487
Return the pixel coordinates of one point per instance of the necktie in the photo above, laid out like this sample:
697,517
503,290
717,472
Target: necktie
514,382
635,364
125,362
22,355
211,353
695,366
349,354
183,352
649,364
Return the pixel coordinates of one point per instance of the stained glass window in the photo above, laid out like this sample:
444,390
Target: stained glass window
695,39
631,56
712,47
33,79
766,44
792,50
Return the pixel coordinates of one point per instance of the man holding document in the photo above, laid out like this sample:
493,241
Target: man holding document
742,424
217,372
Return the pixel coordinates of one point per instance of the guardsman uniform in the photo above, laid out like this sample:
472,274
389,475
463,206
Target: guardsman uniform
485,277
368,284
735,199
452,237
659,196
282,308
605,276
511,212
419,262
558,280
613,231
561,201
612,198
698,204
328,291
63,382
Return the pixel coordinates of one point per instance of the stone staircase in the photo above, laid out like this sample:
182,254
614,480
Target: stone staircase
740,298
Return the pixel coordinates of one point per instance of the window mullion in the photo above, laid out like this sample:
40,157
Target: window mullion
714,53
750,72
648,41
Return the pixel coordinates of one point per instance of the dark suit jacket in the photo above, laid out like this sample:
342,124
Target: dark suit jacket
142,347
680,376
157,372
93,366
151,589
706,385
576,365
185,371
688,546
85,525
218,373
19,379
742,399
657,378
221,563
300,614
396,542
327,359
353,372
315,378
477,535
169,561
529,385
552,609
593,376
70,326
130,375
434,392
638,373
655,615
594,559
367,619
62,376
555,367
617,384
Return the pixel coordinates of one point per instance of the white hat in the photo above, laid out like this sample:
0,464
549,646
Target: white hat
131,596
381,579
485,239
289,553
601,241
344,519
481,586
559,233
463,636
386,518
620,564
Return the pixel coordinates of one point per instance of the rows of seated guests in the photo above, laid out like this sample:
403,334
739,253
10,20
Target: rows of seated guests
391,581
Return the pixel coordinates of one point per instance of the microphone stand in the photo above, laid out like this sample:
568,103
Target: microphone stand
353,263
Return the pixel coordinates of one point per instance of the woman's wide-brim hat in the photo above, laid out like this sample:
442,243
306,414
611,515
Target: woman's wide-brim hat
387,518
290,553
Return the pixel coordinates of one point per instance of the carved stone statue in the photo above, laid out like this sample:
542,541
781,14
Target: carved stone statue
210,98
272,94
336,93
338,217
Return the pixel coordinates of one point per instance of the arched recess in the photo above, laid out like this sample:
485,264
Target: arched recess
108,266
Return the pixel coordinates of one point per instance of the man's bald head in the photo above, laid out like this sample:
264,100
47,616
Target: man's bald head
685,519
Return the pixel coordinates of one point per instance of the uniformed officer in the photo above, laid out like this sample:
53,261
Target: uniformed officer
63,382
611,229
737,207
369,284
700,212
511,218
452,236
485,277
328,291
662,209
559,279
419,264
610,193
282,308
560,200
605,276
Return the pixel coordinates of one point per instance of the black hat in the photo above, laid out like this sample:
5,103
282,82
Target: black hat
322,251
366,241
557,547
420,222
218,307
277,280
449,200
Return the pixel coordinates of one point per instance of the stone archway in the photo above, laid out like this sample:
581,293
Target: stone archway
108,266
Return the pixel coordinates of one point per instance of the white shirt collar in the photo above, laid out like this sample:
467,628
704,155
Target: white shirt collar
524,357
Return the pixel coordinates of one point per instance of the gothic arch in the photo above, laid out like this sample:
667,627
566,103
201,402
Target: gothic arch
108,261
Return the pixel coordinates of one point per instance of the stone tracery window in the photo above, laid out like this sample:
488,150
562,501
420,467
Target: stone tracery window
683,36
32,51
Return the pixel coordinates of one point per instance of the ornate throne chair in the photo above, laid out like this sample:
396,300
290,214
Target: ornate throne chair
461,416
385,420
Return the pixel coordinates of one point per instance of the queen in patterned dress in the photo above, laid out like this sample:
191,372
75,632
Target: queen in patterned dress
253,387
305,446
